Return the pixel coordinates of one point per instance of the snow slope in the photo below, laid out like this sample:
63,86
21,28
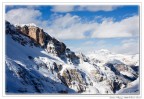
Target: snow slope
132,88
17,62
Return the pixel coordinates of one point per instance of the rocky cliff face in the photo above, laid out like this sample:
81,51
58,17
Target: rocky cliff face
43,39
73,79
33,32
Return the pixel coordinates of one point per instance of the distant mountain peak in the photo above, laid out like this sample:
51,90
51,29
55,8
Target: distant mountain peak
104,51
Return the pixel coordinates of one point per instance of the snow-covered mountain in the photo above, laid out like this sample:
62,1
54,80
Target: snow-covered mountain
38,63
106,56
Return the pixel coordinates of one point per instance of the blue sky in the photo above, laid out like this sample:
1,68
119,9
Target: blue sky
84,28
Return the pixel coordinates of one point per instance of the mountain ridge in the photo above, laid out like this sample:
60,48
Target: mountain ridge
51,67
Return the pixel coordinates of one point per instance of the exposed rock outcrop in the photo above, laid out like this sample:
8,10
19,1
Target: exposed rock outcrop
72,57
73,79
33,32
56,47
83,58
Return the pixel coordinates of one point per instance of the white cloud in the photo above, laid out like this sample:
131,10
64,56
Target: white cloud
129,46
95,8
72,27
128,27
92,8
66,21
68,27
23,16
62,8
